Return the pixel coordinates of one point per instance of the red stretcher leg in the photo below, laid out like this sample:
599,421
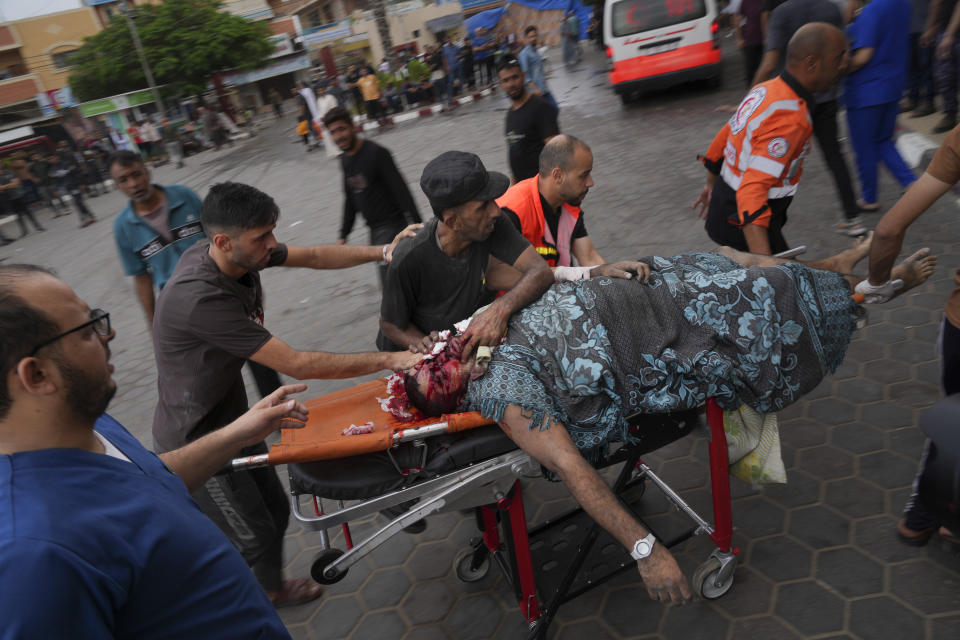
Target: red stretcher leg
719,478
512,504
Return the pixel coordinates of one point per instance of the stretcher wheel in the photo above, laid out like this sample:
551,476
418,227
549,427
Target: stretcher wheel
463,565
705,580
323,560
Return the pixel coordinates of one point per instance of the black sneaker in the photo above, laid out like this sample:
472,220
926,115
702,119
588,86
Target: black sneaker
948,123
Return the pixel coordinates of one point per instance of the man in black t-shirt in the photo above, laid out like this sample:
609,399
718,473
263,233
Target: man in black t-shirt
208,322
372,184
531,121
455,263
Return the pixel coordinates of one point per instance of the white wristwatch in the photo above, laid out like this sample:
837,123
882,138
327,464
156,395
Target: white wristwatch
643,547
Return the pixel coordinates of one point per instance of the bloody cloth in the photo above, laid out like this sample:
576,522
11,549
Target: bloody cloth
591,353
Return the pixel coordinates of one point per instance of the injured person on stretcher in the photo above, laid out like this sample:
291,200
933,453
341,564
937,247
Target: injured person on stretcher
737,327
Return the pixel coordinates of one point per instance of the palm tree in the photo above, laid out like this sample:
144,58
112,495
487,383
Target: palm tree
380,15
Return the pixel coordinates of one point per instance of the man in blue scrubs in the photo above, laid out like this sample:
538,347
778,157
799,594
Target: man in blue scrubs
99,538
876,78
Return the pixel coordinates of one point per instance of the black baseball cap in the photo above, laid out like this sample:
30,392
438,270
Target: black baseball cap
456,177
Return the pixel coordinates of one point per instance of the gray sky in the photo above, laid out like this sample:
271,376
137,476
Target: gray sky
17,9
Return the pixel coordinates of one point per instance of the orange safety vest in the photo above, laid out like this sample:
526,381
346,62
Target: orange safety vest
759,152
523,199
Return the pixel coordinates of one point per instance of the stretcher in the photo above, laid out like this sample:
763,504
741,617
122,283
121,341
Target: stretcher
463,461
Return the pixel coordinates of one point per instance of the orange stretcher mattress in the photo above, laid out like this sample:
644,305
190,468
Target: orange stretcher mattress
322,439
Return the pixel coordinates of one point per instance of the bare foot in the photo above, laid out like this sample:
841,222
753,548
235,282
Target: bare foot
845,261
914,270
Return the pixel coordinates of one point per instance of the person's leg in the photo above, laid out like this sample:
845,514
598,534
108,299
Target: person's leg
825,129
888,148
23,212
778,220
554,449
267,379
723,203
863,124
945,69
916,80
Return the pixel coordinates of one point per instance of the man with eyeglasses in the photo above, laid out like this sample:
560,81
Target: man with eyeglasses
100,537
208,322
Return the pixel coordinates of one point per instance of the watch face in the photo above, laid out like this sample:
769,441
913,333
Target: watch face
643,548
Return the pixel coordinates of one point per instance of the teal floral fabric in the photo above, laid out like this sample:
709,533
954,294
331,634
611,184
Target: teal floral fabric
592,353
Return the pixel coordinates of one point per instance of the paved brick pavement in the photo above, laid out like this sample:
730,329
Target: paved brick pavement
819,556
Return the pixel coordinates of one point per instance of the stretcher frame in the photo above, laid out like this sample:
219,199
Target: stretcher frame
493,488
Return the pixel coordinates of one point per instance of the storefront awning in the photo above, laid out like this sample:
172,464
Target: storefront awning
275,68
445,23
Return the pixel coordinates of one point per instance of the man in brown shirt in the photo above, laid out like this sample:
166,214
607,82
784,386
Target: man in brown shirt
917,525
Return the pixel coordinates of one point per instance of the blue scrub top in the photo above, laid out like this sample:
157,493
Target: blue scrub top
883,25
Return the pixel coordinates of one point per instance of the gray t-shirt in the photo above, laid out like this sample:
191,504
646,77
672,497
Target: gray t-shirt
789,17
205,327
430,290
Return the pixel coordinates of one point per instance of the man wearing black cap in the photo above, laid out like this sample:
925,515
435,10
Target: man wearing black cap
453,266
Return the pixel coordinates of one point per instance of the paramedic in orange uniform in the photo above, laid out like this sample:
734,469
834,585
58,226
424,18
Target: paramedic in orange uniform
759,153
546,207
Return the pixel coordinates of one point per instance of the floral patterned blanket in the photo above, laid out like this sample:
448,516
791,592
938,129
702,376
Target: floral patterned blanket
591,353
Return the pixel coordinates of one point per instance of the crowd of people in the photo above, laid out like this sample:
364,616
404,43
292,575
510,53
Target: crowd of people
502,251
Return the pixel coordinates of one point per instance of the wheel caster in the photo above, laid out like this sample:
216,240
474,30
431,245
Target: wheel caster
323,560
463,566
710,581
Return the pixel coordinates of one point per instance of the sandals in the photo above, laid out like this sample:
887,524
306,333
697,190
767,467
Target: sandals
914,538
852,227
868,207
296,592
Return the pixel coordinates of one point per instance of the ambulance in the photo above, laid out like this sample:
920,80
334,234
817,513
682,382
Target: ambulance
654,44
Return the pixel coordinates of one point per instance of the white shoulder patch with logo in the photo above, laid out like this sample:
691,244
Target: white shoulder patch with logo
753,100
778,147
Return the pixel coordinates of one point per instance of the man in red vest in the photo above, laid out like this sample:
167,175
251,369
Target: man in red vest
546,207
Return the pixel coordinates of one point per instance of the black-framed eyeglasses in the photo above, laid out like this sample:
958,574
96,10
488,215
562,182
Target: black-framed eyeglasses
99,320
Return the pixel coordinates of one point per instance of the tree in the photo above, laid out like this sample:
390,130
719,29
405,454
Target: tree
383,28
184,42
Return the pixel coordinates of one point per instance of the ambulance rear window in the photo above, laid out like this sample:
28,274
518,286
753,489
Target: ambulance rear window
635,16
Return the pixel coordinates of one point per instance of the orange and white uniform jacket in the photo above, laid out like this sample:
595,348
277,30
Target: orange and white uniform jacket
759,152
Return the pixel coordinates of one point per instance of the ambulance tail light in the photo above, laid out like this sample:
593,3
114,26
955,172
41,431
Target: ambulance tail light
714,31
609,52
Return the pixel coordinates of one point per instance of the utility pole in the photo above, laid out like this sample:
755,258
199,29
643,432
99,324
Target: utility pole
125,9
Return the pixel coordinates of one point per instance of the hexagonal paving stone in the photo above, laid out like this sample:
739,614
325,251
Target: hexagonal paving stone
397,550
878,537
850,572
385,588
885,332
946,628
925,333
431,560
379,625
918,395
476,616
929,372
801,489
750,595
630,612
887,469
695,621
819,527
338,615
433,632
926,587
864,350
931,301
825,462
848,369
831,411
780,558
914,315
765,627
809,607
859,390
803,432
586,629
758,517
908,352
854,497
887,371
886,415
684,474
908,442
857,437
428,602
882,618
